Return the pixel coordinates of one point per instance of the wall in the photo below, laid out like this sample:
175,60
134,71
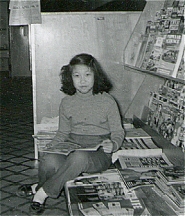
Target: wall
136,91
63,35
4,40
19,46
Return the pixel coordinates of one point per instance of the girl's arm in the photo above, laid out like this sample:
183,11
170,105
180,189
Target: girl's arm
110,146
63,127
116,129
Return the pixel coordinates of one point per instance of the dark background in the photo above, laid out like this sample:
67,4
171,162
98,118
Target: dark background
91,5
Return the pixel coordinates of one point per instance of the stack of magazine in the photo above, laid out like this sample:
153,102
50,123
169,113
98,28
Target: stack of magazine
144,160
121,192
140,153
137,138
173,192
104,193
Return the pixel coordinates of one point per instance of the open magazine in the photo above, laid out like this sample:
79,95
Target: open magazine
67,147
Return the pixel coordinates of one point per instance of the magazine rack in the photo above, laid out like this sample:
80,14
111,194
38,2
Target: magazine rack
156,47
157,43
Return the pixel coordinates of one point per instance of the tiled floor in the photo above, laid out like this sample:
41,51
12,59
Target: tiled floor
17,150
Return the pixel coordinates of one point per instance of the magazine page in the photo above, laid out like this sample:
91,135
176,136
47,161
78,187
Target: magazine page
171,55
151,56
144,163
181,69
67,147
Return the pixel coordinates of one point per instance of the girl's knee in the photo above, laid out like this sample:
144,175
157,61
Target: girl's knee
52,160
79,157
46,158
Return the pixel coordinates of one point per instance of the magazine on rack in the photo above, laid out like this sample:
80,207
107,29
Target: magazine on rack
171,55
181,69
162,53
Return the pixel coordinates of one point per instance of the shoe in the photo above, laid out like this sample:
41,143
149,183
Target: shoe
36,208
24,190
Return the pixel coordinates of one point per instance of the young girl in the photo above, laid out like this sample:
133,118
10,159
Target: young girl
87,115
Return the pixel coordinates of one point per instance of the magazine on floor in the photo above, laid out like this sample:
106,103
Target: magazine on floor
133,133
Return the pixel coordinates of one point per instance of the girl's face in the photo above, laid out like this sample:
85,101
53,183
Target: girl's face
83,78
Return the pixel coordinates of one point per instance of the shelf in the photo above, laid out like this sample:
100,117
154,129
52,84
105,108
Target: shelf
155,74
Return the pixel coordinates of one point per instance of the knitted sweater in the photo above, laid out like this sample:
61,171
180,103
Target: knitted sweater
87,114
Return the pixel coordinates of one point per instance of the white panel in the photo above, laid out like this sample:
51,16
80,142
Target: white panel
63,35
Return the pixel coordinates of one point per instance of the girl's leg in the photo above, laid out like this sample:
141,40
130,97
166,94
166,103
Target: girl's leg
76,163
48,166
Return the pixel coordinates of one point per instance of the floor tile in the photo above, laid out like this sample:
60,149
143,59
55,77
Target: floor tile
15,178
4,209
18,168
4,195
5,164
14,201
18,165
5,173
6,157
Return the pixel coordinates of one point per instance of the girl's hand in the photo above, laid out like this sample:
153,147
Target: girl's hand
107,146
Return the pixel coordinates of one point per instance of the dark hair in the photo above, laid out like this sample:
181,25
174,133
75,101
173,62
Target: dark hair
101,81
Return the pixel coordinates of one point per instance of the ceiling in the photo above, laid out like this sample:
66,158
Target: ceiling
91,5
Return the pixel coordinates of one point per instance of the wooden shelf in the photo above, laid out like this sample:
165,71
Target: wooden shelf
155,74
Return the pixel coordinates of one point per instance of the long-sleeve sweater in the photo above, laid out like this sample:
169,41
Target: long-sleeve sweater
90,115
